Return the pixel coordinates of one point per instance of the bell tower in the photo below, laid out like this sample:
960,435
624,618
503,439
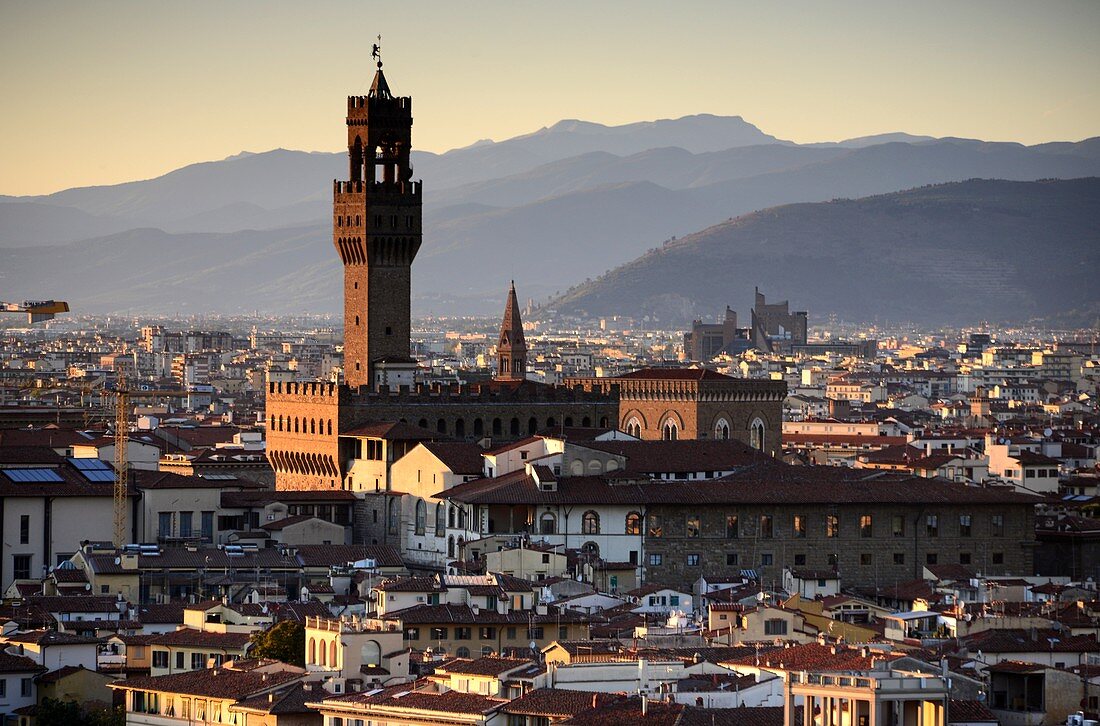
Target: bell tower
511,347
376,228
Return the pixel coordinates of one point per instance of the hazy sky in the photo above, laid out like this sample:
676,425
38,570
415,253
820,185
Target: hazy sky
102,92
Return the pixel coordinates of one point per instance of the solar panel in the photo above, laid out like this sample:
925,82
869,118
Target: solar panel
90,464
98,475
32,475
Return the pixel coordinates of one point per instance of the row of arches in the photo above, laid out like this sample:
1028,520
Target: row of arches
594,467
671,425
323,656
300,425
300,462
590,523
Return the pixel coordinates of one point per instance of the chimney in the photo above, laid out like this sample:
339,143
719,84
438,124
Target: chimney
645,705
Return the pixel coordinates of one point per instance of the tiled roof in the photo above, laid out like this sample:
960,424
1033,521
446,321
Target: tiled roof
186,637
411,584
1018,640
328,555
75,603
556,702
960,711
49,637
60,673
10,663
162,613
458,456
284,701
770,483
814,657
259,498
212,683
406,696
485,666
688,455
950,572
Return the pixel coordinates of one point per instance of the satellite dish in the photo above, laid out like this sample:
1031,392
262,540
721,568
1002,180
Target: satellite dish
118,560
532,645
87,586
1048,431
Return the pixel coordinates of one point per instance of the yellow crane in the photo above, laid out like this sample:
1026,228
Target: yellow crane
36,310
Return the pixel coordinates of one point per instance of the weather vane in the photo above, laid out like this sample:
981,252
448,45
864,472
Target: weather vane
376,52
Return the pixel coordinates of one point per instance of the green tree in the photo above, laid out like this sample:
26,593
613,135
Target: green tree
285,641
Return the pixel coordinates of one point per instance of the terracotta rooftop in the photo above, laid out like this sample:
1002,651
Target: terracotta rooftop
212,683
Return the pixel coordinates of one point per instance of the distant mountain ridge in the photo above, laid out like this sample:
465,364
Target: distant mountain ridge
549,209
959,252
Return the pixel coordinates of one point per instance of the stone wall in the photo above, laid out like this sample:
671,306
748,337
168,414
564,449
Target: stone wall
862,561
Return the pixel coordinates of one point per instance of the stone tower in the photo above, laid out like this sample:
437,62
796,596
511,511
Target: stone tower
376,228
511,348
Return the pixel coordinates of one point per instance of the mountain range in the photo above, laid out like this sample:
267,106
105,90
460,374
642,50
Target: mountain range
948,253
549,209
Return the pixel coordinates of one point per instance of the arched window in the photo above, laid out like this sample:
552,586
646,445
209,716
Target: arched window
450,546
451,517
634,427
330,427
421,516
586,422
513,427
370,653
612,465
395,511
756,434
568,422
441,426
576,467
722,429
547,524
590,523
460,428
422,423
498,427
462,652
486,650
272,424
332,654
312,426
440,519
479,427
312,650
324,654
295,424
591,550
634,523
532,425
669,431
551,423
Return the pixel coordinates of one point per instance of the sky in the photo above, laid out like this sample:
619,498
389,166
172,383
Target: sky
106,92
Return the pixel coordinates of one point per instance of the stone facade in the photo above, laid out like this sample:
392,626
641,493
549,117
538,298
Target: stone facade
865,558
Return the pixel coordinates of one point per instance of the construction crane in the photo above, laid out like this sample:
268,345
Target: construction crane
36,310
122,463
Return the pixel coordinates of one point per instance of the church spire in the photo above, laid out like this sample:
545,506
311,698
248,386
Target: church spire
511,348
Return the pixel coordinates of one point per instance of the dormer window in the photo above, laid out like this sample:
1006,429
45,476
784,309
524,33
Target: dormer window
523,455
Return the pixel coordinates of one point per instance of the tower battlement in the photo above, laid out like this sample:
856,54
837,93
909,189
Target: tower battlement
348,191
359,104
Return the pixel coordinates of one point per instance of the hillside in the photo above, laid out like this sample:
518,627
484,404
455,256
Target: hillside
961,252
